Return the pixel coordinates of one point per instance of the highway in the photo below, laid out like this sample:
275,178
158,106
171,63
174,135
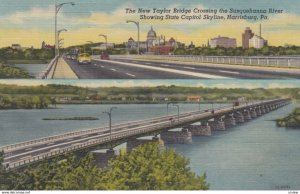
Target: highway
124,68
37,150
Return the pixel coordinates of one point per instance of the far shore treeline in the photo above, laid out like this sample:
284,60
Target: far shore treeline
14,96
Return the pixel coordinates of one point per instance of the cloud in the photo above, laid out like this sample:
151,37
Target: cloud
34,13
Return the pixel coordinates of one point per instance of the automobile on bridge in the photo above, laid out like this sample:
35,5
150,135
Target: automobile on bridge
84,58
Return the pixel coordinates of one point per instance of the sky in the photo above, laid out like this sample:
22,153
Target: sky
32,21
227,83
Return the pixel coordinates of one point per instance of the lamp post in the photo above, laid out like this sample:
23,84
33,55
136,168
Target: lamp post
177,110
138,27
58,40
105,37
90,43
57,8
109,115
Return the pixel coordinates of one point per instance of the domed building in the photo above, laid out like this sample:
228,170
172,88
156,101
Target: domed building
152,39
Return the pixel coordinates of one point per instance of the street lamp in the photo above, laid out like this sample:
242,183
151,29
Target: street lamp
109,115
57,8
90,43
178,111
105,36
59,40
138,27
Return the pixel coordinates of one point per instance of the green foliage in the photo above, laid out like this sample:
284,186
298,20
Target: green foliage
7,71
9,53
24,102
145,168
292,120
148,168
239,51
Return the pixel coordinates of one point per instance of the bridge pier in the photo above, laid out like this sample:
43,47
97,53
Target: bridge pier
217,124
229,121
102,158
247,115
134,143
176,137
263,110
258,111
253,113
239,118
200,130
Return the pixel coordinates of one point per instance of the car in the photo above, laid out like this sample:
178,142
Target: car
84,58
74,57
104,56
68,56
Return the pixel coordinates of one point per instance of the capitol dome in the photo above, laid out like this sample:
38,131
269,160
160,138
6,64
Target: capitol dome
151,33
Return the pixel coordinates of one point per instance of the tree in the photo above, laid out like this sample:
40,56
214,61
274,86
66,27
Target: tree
149,168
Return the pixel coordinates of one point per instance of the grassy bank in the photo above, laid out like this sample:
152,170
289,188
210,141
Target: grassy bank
12,72
292,120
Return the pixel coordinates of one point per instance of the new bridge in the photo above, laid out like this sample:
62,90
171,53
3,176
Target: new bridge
21,154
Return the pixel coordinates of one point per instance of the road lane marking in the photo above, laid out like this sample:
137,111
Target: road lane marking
164,65
130,74
189,68
113,69
102,66
232,72
148,63
169,70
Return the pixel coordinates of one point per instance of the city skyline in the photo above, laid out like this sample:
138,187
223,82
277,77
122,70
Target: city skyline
31,22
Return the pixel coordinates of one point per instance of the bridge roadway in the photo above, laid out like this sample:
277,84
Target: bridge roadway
126,68
27,152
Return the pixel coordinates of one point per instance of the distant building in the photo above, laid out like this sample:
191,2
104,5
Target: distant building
222,42
47,46
257,42
246,36
193,98
191,46
16,46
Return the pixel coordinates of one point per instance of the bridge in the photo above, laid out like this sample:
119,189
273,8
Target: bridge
174,67
25,153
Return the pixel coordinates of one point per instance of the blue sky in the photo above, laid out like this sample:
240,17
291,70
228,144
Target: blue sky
29,22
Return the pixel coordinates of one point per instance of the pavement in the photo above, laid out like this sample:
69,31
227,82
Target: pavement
63,70
124,68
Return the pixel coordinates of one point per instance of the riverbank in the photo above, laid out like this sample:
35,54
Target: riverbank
7,71
24,61
292,120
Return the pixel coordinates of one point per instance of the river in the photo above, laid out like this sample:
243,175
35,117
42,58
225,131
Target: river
32,69
256,155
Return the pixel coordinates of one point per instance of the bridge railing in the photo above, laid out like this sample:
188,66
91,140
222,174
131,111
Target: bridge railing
85,132
290,62
124,133
48,72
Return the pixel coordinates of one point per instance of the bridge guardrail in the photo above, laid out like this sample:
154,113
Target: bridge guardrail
282,61
48,72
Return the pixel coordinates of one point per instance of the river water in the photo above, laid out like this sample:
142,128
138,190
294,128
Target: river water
256,155
32,69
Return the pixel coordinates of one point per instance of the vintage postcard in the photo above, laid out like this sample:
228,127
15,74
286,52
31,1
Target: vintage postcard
115,95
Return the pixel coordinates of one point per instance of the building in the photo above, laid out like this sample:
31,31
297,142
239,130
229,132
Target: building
16,46
194,98
47,46
224,42
257,42
246,36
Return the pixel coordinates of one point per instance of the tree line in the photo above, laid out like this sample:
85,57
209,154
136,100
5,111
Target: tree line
239,51
24,102
9,53
145,168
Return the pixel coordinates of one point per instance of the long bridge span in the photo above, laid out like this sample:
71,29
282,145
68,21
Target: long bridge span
25,153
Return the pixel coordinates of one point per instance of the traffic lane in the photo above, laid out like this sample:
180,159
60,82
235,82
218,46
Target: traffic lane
224,71
105,70
141,73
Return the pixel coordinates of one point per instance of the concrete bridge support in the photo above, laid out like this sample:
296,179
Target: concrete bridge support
267,108
263,110
253,113
229,121
239,117
200,130
258,111
247,115
217,124
103,156
176,137
134,143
